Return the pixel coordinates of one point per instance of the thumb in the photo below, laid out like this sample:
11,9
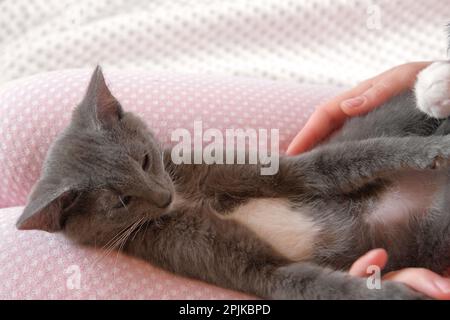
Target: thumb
376,257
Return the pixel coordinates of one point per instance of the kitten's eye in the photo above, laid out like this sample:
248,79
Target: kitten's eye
145,162
123,202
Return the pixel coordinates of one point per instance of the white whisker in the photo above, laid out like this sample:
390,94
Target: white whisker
123,240
112,243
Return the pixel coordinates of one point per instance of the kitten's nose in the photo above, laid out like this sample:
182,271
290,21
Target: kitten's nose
165,202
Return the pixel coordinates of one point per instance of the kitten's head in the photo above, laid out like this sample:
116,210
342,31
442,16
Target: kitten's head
103,172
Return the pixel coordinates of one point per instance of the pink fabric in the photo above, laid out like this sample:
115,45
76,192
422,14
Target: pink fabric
34,110
39,265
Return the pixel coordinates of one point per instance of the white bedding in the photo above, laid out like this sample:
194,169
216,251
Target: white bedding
317,41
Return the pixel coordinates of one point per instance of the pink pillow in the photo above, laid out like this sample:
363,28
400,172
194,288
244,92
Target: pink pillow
40,265
34,110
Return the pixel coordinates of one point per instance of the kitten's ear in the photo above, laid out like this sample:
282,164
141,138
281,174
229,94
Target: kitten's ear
99,105
46,207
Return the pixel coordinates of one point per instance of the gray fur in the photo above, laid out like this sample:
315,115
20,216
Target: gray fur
97,163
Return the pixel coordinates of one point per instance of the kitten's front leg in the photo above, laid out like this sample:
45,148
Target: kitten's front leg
350,165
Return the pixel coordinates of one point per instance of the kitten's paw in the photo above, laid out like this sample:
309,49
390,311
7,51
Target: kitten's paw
432,90
440,162
391,290
388,290
307,282
438,152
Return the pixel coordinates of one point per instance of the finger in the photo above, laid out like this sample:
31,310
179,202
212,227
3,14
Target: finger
377,257
423,280
385,86
363,98
375,96
319,126
327,118
406,72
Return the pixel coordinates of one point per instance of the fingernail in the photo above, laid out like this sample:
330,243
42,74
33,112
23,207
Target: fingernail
443,285
353,102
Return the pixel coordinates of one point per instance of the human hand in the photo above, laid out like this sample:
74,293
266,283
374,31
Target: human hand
366,96
419,279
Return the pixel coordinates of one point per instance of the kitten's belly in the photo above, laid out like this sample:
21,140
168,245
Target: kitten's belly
291,232
412,193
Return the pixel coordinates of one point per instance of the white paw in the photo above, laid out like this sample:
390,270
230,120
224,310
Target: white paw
432,90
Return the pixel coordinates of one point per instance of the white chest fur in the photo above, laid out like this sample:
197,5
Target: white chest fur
290,232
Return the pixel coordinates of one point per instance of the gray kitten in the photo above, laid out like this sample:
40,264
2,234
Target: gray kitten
382,181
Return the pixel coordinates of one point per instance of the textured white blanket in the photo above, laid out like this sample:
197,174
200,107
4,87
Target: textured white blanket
319,41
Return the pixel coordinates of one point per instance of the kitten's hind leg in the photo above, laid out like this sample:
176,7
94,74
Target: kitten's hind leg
433,237
225,253
310,281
